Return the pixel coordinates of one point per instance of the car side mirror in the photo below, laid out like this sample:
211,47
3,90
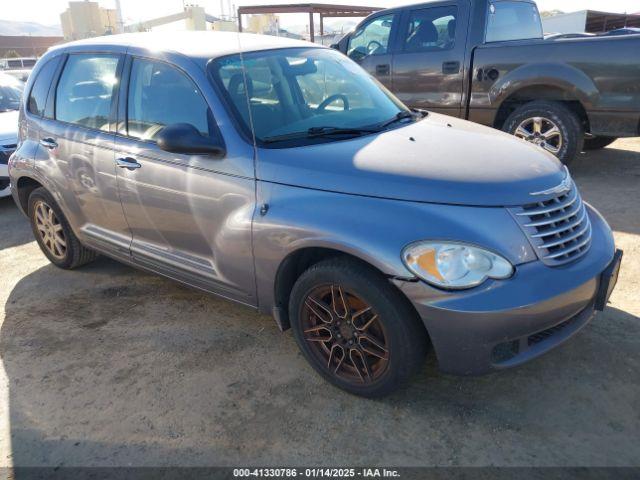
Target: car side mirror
185,138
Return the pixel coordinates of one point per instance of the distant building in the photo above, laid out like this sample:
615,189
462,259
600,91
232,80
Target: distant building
224,26
590,21
262,24
88,19
268,24
25,45
193,16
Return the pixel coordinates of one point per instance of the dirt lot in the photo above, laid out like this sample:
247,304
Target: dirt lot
110,366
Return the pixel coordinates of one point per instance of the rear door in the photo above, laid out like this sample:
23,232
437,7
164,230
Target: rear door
428,67
76,146
371,46
190,215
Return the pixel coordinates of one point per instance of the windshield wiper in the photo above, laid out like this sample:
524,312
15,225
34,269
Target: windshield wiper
316,132
401,115
323,131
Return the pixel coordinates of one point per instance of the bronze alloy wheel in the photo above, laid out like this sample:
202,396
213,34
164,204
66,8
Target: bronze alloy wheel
50,230
345,334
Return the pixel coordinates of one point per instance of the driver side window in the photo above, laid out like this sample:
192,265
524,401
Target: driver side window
161,95
371,38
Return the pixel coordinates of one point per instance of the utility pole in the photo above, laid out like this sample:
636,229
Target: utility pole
119,22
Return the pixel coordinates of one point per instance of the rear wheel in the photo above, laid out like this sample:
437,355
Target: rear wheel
53,233
596,143
549,125
355,329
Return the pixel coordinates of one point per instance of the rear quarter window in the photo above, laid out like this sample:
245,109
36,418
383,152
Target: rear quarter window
513,20
40,89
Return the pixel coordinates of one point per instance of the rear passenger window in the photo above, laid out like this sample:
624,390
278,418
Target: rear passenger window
40,89
85,90
161,95
431,29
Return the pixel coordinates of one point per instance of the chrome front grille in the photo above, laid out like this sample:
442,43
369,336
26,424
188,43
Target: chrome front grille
558,228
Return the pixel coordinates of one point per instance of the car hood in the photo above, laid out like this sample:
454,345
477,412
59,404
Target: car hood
439,159
8,127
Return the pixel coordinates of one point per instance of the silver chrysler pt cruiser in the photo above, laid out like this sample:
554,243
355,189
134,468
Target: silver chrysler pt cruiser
280,175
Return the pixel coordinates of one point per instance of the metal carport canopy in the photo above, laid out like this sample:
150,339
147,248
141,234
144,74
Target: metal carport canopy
325,11
600,22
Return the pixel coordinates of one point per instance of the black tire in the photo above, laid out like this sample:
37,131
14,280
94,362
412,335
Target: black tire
405,336
74,253
571,130
596,143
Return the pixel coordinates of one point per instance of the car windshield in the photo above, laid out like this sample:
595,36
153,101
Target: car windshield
9,97
304,95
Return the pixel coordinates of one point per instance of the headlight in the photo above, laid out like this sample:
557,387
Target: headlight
454,265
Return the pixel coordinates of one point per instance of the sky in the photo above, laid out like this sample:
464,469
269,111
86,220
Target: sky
47,12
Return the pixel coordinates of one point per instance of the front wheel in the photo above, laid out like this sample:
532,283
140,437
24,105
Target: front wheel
355,329
549,125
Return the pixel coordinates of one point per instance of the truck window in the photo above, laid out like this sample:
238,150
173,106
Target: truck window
372,38
512,20
431,29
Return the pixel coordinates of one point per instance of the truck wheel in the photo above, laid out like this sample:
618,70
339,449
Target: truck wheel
355,329
53,233
550,125
596,143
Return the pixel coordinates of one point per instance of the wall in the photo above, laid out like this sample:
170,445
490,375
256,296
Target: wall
565,23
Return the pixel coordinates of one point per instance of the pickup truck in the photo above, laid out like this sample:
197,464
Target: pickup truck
487,61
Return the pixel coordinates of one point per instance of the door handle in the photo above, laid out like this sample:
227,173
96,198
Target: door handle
128,163
49,143
450,67
383,69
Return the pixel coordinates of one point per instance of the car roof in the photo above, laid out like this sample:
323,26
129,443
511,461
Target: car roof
201,44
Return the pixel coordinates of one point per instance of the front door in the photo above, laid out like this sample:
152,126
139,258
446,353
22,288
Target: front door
370,46
189,217
428,67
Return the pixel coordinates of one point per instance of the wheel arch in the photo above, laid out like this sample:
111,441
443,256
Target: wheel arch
544,81
297,262
24,186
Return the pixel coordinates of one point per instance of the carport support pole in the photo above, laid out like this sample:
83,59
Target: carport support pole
239,21
311,33
321,27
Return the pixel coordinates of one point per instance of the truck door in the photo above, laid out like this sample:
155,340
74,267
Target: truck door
370,46
428,67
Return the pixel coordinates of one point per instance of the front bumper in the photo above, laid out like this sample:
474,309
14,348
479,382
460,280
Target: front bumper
506,323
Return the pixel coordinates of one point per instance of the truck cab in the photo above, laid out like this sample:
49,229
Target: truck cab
487,61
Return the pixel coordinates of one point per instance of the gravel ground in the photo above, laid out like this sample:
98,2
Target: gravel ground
107,365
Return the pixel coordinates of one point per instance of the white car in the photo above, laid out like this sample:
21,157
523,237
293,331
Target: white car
10,94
